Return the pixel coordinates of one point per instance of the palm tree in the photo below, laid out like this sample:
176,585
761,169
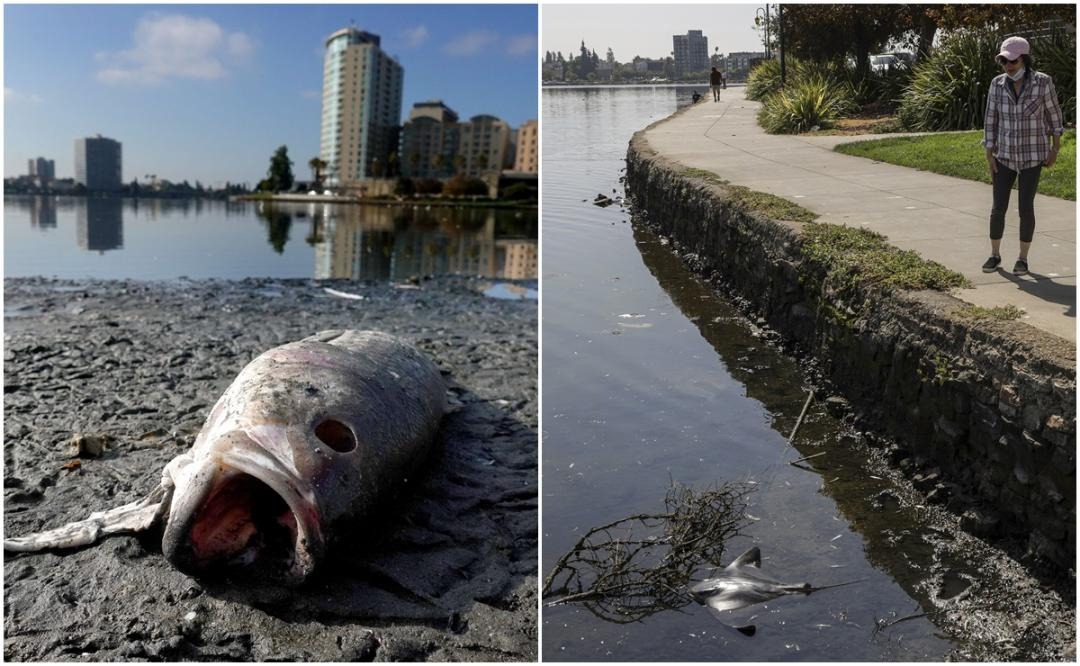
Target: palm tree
318,165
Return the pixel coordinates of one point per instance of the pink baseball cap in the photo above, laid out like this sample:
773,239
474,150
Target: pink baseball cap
1014,47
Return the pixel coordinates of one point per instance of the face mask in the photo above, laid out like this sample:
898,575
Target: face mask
1019,75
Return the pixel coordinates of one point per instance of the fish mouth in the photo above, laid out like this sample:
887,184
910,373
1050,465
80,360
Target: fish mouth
239,514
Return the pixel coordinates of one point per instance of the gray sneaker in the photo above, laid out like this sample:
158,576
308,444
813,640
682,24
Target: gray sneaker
991,264
1020,267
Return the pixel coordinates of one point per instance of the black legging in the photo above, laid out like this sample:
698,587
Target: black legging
1003,182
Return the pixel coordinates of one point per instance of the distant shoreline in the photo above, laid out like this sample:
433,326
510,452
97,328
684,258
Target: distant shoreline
679,84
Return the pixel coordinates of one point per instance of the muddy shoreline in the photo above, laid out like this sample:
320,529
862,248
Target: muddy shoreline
448,572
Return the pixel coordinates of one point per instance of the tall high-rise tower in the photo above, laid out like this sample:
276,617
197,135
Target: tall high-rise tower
98,163
361,107
691,52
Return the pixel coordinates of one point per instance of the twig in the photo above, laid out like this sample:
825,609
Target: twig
802,415
805,458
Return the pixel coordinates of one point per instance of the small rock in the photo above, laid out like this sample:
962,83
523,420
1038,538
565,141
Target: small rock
88,445
981,522
837,405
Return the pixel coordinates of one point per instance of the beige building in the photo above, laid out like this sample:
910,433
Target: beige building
429,141
361,107
485,142
527,157
520,259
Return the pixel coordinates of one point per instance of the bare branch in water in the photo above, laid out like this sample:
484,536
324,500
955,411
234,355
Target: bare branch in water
631,568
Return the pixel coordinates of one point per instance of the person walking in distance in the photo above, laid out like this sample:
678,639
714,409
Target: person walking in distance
716,79
1022,134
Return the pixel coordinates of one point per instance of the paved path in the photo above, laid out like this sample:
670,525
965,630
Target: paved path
942,218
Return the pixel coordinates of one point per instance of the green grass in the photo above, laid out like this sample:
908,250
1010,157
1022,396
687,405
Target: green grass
769,205
1003,313
959,154
858,257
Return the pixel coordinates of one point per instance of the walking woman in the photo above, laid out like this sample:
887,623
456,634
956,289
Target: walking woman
1022,135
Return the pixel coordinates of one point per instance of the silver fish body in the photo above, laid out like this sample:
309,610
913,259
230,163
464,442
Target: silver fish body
308,436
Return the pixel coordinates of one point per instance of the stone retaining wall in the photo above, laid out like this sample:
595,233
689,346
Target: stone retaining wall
983,410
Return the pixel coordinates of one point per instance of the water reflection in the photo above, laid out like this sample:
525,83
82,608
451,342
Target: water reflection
395,243
99,225
43,213
167,238
278,222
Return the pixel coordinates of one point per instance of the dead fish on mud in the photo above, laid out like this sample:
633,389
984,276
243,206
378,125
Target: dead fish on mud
741,584
308,435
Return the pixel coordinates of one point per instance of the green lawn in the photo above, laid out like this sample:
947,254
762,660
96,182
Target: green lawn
959,154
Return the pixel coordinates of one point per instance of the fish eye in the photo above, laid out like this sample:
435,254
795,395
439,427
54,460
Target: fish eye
336,435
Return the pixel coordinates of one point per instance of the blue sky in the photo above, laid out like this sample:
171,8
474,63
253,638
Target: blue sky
207,92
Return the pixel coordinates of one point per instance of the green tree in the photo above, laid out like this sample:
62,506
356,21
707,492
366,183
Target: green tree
810,31
392,164
279,176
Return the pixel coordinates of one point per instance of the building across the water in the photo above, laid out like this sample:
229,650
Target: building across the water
527,156
41,171
429,141
691,52
361,107
98,163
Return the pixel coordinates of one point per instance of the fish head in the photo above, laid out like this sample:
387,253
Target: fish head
241,511
298,442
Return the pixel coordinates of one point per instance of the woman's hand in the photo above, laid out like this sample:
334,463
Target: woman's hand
991,161
1051,158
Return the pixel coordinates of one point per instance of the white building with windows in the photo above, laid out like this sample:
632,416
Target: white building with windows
361,107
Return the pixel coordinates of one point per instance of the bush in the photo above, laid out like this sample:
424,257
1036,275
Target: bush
463,186
518,192
1056,55
948,89
404,187
427,186
817,101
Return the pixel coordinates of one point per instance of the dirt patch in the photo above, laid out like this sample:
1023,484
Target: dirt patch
864,124
447,573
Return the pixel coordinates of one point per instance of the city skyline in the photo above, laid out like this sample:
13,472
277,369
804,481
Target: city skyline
178,83
646,30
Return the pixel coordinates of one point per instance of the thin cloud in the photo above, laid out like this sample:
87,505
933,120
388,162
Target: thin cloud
175,46
521,45
11,95
471,43
414,37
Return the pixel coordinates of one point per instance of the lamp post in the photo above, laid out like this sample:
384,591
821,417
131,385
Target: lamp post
765,9
783,68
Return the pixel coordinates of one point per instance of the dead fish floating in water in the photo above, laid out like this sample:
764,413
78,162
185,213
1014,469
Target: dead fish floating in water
741,584
308,435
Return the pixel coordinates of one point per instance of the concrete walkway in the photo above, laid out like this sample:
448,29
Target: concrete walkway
942,218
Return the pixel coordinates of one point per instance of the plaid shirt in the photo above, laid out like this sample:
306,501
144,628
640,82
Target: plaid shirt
1018,130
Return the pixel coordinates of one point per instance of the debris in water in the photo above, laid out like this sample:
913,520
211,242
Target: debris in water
634,567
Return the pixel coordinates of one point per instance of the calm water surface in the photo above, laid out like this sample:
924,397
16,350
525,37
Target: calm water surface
71,237
682,390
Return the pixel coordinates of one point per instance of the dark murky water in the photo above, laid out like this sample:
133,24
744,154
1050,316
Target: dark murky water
649,377
71,237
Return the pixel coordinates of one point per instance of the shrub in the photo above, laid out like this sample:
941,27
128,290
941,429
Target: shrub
948,89
518,192
462,186
404,187
427,186
1056,55
814,102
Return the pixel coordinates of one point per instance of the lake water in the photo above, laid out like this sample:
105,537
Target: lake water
649,378
73,237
